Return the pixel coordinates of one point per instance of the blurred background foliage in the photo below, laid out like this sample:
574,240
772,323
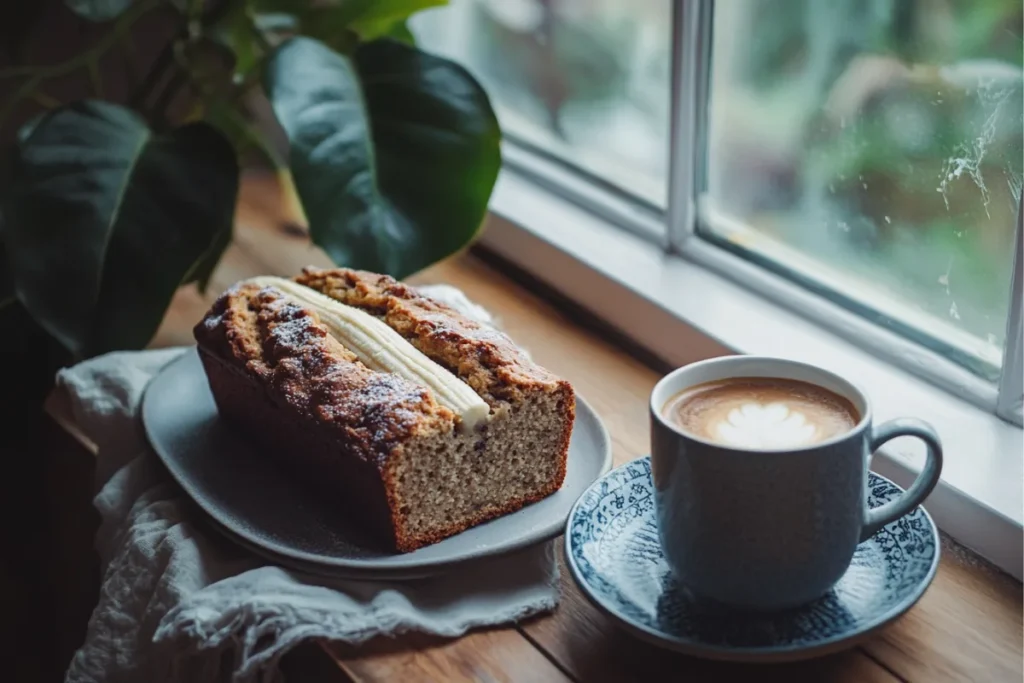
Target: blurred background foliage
882,139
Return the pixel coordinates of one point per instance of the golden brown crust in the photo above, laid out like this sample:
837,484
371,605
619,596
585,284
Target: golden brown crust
484,358
304,449
280,348
286,347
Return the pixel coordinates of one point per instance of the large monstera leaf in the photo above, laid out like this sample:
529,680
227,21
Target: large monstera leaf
394,151
105,220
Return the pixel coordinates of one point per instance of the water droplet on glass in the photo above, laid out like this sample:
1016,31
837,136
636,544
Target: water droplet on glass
944,278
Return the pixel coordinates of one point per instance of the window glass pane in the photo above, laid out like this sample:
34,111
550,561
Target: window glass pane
873,148
584,80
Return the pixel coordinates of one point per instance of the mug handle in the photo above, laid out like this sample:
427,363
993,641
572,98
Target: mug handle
875,519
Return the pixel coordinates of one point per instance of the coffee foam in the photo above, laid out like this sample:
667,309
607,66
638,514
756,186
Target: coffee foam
754,425
756,413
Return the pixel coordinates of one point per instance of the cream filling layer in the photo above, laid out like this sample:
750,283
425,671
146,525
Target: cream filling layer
380,348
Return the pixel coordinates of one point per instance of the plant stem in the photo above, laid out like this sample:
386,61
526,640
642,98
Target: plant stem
173,87
251,78
261,39
44,100
155,75
241,134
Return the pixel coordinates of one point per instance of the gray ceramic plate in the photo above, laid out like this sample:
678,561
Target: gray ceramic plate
263,508
611,543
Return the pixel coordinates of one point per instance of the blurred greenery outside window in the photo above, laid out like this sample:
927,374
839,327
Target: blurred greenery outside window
872,149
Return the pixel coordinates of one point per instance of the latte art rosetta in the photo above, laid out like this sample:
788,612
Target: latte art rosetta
758,413
772,426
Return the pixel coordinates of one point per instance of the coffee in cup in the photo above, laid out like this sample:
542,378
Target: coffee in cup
761,412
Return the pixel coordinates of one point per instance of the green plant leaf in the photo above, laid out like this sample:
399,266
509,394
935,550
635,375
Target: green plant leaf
104,220
341,25
379,18
235,31
98,10
202,269
400,31
394,151
26,129
279,23
389,11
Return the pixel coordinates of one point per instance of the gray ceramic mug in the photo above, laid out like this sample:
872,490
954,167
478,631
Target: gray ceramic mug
763,529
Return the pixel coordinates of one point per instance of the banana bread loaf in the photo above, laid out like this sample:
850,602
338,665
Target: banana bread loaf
421,422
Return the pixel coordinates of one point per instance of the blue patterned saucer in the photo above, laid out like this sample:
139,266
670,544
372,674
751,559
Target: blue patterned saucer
611,543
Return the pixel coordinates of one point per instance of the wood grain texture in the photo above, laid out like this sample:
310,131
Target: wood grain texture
589,646
967,627
497,655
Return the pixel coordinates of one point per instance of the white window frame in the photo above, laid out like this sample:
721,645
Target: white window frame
692,37
684,299
1010,401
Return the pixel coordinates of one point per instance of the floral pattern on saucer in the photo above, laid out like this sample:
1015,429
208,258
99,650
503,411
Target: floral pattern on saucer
614,554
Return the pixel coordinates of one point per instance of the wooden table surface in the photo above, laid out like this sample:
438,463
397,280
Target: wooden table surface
967,627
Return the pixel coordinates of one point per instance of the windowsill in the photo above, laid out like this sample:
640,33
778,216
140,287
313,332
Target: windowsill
682,312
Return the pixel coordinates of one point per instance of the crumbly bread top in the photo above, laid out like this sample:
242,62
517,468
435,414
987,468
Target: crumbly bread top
285,345
482,357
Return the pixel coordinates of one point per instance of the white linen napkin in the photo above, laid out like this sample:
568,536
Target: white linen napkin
181,603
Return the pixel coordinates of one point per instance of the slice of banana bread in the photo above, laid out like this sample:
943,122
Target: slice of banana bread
398,460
